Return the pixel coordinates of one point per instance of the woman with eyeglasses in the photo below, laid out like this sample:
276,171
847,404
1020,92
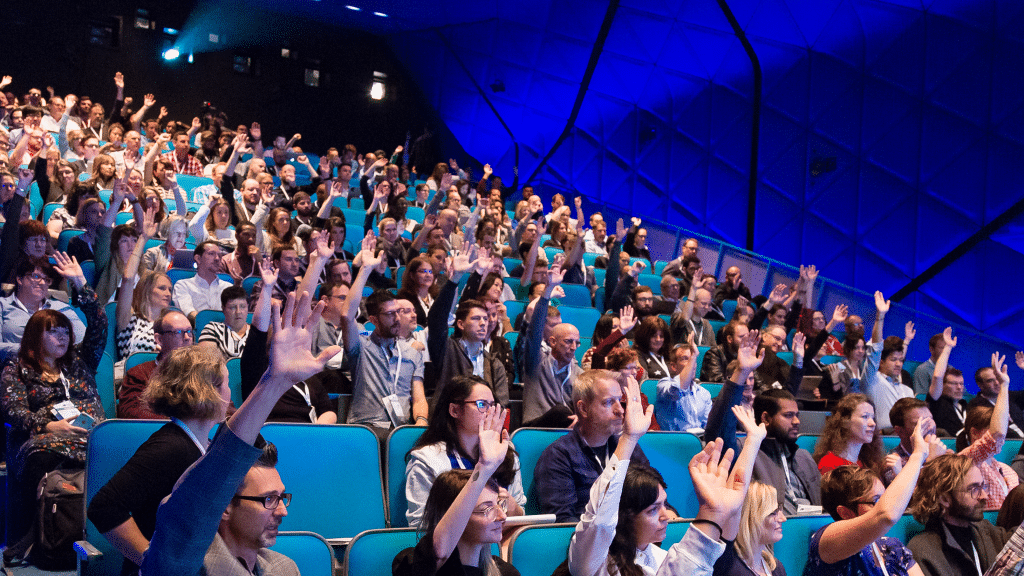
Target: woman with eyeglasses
864,510
465,512
418,286
45,389
760,527
452,441
190,387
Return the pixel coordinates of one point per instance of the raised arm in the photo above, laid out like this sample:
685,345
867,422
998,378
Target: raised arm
1001,410
350,308
687,308
323,252
935,388
131,274
150,158
756,434
261,313
881,309
844,538
179,197
147,102
531,256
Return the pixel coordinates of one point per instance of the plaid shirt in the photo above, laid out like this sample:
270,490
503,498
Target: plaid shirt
999,478
192,167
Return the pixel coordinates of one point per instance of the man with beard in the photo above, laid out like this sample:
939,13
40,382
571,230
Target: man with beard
717,358
950,501
780,462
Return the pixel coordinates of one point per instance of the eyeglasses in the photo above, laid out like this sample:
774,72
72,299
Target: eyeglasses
8,186
975,491
271,501
177,332
40,278
870,502
491,512
482,405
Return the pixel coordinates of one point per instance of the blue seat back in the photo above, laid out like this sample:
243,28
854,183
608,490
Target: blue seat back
652,281
65,236
89,271
415,213
204,317
583,319
310,552
111,444
807,441
537,550
138,358
714,389
792,550
317,463
176,274
670,453
514,308
728,309
1010,449
828,360
111,347
371,552
399,443
649,389
48,210
701,351
786,357
248,283
576,295
235,380
105,385
529,444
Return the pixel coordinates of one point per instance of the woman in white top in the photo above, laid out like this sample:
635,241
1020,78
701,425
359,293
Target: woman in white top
626,514
212,222
451,441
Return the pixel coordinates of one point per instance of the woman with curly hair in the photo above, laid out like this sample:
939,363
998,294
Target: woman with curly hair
850,437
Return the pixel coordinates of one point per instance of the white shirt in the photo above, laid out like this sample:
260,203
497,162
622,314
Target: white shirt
195,294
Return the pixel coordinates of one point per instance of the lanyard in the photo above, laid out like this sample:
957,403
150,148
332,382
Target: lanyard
398,368
568,373
879,559
699,332
66,384
458,463
661,363
201,445
304,392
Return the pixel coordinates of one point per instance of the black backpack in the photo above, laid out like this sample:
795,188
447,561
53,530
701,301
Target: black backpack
59,523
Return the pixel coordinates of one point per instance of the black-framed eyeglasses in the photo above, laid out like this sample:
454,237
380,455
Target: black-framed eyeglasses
177,332
482,405
271,501
974,490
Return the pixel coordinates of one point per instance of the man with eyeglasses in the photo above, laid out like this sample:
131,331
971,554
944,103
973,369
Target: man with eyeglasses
950,501
31,294
173,331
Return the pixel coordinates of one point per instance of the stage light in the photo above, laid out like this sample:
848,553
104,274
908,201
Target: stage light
171,54
191,58
377,88
353,8
381,14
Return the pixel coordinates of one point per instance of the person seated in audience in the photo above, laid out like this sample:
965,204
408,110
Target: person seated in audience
51,373
635,242
139,303
669,300
174,230
387,372
904,416
278,232
625,362
287,262
717,359
548,375
89,218
950,501
225,510
881,380
924,371
760,528
982,439
202,291
847,375
228,337
418,286
328,330
627,291
113,250
180,160
676,267
781,463
652,343
63,182
864,511
173,330
31,294
988,393
33,246
850,437
212,221
682,405
946,390
452,441
463,353
240,263
690,319
103,173
191,388
65,217
1011,515
609,333
568,467
465,512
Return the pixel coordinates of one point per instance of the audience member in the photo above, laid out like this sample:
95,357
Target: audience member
31,294
781,463
946,390
682,405
228,337
202,291
881,380
172,330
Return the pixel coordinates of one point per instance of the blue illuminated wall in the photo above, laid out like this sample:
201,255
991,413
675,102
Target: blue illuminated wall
914,109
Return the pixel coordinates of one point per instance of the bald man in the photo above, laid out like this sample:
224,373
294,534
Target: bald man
732,288
548,375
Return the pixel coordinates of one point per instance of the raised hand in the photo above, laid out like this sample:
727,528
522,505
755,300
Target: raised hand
881,304
371,260
267,271
149,100
290,358
894,463
1000,368
948,338
909,332
69,102
163,111
487,170
555,277
719,493
119,80
637,268
429,223
255,131
840,314
626,319
811,273
197,123
493,439
369,241
834,370
620,229
799,343
337,191
302,159
745,416
635,421
778,294
163,139
324,248
398,150
69,268
5,81
446,183
578,201
747,354
149,225
296,137
1020,359
923,440
454,165
636,221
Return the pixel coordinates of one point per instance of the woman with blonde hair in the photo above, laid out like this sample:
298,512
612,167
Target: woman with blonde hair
140,302
190,387
760,527
850,437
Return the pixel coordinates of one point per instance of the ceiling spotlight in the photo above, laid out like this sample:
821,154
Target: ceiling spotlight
171,54
377,88
381,14
351,7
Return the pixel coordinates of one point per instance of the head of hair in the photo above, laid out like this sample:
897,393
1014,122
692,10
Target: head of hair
410,279
836,433
729,330
24,267
603,328
843,486
232,293
462,312
851,342
1012,513
32,339
891,345
770,401
951,371
639,492
185,385
583,387
140,296
898,412
940,477
79,216
30,229
761,500
271,228
268,458
978,418
377,299
171,222
691,259
206,245
648,329
442,495
619,358
489,281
